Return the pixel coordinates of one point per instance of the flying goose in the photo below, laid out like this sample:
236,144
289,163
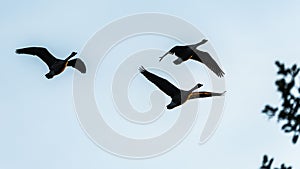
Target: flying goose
56,66
187,52
178,96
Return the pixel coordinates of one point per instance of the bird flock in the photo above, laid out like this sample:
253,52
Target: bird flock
178,96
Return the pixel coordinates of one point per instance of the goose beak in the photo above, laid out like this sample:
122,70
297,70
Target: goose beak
199,85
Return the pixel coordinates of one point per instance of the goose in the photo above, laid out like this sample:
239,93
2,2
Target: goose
178,96
187,52
56,66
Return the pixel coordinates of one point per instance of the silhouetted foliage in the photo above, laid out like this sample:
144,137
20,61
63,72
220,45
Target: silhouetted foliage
267,164
287,112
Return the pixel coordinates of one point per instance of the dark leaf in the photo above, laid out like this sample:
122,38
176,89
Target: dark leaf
294,67
295,139
291,85
287,127
277,63
265,159
282,115
296,72
280,83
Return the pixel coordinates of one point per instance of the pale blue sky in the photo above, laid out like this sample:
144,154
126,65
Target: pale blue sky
38,123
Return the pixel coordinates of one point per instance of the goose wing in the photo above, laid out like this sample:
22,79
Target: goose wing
196,95
206,59
40,52
77,64
194,46
163,84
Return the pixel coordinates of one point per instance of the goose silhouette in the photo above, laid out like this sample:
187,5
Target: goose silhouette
187,52
56,66
178,96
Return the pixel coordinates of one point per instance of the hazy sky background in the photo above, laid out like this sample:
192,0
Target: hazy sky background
38,123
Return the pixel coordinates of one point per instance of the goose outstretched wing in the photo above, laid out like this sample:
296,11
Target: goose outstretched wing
206,59
77,64
196,95
40,52
194,46
163,84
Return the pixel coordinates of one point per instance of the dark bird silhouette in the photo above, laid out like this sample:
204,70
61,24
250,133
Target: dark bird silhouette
178,96
56,66
187,52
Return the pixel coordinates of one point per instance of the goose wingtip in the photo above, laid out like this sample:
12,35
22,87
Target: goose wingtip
142,69
18,51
